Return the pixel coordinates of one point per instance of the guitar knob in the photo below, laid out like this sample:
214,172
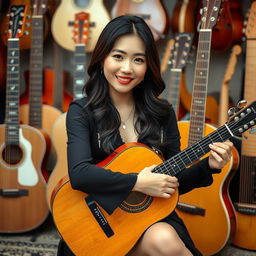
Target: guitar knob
231,111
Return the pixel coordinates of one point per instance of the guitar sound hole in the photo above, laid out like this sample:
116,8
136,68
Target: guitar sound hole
136,202
82,3
12,154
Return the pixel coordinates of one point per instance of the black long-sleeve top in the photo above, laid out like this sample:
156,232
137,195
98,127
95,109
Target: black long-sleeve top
109,188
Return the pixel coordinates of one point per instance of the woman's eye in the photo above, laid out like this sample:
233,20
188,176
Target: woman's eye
118,57
139,60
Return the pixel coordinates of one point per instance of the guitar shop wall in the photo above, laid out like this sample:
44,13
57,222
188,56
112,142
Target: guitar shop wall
171,17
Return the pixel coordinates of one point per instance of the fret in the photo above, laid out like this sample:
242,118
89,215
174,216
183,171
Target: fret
79,70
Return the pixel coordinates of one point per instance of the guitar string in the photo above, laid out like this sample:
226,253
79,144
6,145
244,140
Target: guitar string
204,144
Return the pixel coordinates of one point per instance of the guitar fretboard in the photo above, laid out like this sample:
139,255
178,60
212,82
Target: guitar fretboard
247,181
35,76
197,117
12,92
186,157
174,89
79,71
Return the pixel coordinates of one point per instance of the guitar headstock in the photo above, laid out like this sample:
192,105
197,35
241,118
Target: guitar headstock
81,28
210,13
39,7
243,120
250,30
17,19
181,49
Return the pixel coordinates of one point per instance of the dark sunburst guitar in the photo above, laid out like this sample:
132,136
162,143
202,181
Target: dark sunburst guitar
89,230
22,148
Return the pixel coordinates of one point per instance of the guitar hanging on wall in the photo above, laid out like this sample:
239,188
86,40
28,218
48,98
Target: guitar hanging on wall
64,15
22,186
178,55
35,113
245,204
152,11
59,135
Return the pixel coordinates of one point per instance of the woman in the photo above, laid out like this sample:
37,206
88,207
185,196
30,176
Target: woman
122,106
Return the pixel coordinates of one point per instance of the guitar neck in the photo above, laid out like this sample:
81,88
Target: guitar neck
197,118
79,70
12,92
179,162
35,76
174,89
249,140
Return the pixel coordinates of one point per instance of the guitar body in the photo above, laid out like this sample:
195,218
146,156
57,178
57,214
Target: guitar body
151,10
243,238
22,212
59,140
219,213
49,115
183,17
64,16
73,217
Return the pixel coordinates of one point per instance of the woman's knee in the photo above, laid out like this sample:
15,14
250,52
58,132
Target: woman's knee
164,240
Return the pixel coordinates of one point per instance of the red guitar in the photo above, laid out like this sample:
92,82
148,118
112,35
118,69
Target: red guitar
22,148
89,230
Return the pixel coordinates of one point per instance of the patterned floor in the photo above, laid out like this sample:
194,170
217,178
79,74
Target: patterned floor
44,242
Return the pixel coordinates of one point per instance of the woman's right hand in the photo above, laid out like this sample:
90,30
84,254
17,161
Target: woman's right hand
155,184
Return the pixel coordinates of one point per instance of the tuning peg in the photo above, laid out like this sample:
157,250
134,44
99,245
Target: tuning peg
231,111
241,104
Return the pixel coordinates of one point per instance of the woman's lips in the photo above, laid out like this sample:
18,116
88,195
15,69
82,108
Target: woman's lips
124,79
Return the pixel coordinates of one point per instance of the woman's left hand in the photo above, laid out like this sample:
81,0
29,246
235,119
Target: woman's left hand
220,154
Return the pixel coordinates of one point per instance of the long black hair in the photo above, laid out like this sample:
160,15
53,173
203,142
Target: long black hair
150,110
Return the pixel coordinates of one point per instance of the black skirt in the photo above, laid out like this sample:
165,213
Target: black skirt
172,219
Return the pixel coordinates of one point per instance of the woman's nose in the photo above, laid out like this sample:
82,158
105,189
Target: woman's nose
126,66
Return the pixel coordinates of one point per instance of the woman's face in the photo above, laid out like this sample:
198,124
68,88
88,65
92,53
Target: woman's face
125,66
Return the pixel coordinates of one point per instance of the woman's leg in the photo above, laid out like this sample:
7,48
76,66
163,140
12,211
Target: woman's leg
160,239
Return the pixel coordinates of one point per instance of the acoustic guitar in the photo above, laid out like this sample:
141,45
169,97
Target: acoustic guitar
89,230
245,205
205,207
22,148
152,11
62,22
178,54
59,136
35,113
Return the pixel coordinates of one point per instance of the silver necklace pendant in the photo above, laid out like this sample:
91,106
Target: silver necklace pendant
123,126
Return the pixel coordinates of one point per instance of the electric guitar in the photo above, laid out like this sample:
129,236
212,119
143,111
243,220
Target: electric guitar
205,207
245,205
62,22
89,230
22,148
35,113
178,55
59,136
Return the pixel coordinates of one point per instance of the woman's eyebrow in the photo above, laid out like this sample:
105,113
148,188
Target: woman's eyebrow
123,52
